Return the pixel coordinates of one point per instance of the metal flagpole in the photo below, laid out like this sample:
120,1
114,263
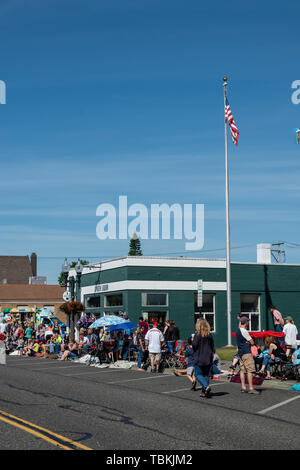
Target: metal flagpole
228,273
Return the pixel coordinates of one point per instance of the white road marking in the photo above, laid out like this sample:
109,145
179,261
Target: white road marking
18,361
57,368
92,371
198,385
142,378
180,390
278,405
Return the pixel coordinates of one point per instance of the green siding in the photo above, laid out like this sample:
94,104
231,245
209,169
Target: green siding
276,284
103,277
151,273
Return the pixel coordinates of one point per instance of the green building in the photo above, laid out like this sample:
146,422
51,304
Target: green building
166,288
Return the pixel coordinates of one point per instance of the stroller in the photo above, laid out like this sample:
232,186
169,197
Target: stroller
103,352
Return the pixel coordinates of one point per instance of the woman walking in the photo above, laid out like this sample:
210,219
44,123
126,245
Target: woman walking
203,346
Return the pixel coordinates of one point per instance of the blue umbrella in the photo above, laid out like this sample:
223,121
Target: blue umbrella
107,320
127,325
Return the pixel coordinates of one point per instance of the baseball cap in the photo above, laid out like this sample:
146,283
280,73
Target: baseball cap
155,324
289,318
244,320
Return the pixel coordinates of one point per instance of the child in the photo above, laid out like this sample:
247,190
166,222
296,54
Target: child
216,366
120,344
189,372
20,346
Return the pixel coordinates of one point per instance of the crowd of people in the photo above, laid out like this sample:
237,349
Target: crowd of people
30,339
147,343
200,356
253,358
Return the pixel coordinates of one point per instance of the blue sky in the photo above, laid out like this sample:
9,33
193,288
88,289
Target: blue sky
125,97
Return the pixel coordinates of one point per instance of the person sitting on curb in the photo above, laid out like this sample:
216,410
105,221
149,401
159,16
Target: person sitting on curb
55,344
32,348
71,351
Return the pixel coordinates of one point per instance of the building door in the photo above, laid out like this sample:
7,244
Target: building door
159,317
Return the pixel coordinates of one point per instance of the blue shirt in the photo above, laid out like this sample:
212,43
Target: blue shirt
189,354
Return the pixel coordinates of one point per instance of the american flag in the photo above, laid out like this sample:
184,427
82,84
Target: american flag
229,118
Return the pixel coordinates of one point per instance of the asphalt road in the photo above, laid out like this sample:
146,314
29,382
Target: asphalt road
47,404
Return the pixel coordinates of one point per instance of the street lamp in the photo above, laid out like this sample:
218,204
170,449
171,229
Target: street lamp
65,270
69,282
78,267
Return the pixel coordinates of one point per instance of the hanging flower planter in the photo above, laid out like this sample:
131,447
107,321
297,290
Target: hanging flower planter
72,307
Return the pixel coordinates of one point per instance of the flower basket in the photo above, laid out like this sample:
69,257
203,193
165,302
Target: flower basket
72,307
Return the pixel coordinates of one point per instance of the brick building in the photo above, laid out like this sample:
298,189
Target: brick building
32,296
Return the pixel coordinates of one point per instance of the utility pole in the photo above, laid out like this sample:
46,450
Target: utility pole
277,252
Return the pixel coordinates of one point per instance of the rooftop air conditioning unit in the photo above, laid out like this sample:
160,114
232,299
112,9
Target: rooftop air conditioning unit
264,253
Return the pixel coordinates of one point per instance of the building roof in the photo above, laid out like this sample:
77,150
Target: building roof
159,261
31,292
15,269
154,261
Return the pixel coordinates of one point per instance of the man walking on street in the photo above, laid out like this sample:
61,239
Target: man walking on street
154,340
247,366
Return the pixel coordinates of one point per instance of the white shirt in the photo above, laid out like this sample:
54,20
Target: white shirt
245,333
2,327
290,332
155,338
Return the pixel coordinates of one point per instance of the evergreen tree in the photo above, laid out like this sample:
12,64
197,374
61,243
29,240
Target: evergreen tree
135,246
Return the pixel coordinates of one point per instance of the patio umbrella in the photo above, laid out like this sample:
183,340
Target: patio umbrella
127,325
107,320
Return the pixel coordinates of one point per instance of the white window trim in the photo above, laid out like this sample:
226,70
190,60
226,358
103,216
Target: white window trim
86,301
113,306
210,313
150,306
253,313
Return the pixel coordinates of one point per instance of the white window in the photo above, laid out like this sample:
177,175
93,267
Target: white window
250,307
154,299
207,310
92,302
114,300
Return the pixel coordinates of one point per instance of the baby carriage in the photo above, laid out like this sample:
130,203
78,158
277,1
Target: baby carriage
102,353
